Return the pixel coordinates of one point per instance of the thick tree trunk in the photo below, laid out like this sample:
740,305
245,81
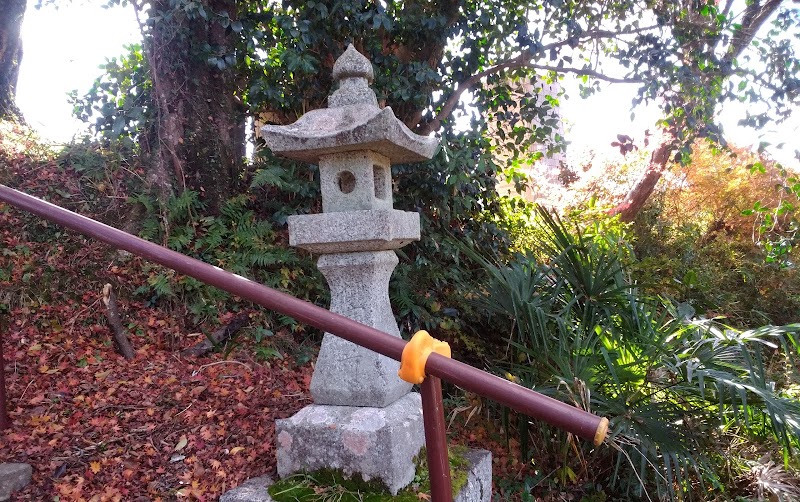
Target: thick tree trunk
200,121
11,14
641,191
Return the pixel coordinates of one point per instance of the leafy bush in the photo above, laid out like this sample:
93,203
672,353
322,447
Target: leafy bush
119,102
578,329
236,240
777,222
456,201
694,243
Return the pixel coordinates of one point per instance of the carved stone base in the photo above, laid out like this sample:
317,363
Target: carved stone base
375,443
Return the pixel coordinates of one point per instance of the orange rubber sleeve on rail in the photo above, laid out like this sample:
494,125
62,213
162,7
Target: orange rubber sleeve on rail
415,355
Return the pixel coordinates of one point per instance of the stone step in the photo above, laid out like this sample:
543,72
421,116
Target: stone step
13,478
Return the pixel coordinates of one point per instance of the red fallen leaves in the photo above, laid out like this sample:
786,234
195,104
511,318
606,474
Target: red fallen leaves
97,428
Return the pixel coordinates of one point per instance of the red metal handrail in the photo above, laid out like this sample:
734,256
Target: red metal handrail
533,404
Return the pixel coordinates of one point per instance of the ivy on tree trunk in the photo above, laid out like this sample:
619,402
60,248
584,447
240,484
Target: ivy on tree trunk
199,121
691,112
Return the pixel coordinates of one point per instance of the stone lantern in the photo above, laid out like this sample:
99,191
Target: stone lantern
364,419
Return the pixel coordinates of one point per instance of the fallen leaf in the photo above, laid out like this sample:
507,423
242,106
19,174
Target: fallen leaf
181,443
95,466
101,375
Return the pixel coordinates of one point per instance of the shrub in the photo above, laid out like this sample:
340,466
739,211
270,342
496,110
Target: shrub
236,240
694,243
673,386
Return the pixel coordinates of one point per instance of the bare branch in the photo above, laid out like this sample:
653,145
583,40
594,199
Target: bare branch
520,61
586,72
754,16
523,61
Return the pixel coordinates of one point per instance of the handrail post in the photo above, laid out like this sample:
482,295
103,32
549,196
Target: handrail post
436,440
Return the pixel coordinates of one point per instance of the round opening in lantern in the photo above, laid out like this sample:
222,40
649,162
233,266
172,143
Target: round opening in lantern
346,181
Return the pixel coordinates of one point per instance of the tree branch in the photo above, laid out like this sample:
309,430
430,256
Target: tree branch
594,35
114,320
523,61
754,16
727,9
219,336
518,62
587,72
759,79
452,100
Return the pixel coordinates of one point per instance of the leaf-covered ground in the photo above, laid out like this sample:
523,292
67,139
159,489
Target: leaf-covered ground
162,426
96,427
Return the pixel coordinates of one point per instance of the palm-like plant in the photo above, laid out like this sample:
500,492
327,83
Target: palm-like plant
581,331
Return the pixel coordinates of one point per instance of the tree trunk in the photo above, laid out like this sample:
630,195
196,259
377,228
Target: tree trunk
641,191
753,18
11,14
199,117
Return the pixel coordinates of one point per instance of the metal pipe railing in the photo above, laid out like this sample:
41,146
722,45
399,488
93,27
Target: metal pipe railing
533,404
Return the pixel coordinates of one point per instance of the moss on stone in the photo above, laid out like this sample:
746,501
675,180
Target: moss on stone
333,485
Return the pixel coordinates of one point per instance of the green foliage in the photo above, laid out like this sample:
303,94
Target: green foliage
276,343
577,326
98,179
237,240
778,225
284,187
579,330
687,56
120,100
425,57
455,199
695,245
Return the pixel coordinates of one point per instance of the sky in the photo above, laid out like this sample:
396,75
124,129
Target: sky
64,47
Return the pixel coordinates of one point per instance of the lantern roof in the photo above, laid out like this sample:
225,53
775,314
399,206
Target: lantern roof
352,122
